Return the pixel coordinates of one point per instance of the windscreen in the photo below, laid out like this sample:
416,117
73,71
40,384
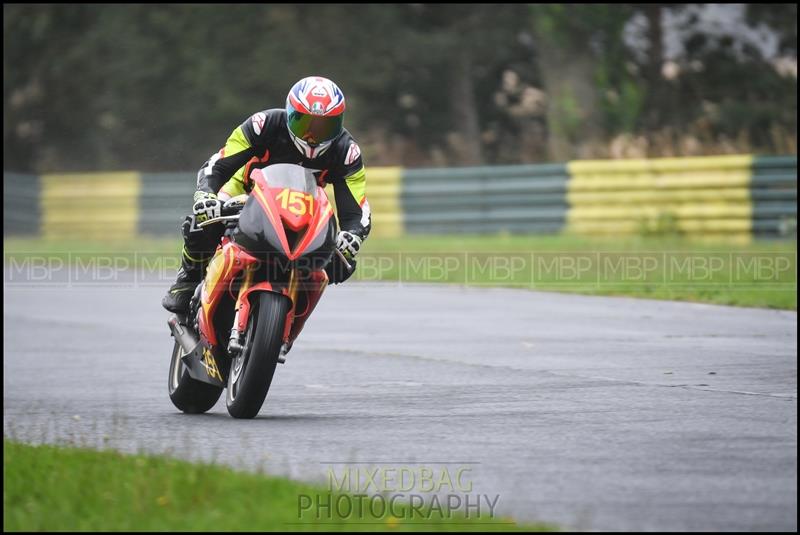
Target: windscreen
286,175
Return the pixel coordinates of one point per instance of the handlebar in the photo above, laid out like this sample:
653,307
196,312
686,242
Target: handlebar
229,212
221,219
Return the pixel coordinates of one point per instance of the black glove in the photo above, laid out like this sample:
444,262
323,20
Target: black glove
337,271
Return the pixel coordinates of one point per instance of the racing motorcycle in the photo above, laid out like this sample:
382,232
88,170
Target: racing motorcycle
263,282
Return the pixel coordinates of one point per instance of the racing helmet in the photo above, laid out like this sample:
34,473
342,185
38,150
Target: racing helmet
314,115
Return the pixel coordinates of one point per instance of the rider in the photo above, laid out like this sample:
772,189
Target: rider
309,133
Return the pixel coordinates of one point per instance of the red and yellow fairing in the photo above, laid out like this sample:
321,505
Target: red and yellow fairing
295,209
310,292
231,260
228,261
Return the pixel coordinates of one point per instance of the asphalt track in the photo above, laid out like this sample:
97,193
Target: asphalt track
592,413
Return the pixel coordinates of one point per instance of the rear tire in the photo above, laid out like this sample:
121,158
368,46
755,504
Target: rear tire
187,394
251,373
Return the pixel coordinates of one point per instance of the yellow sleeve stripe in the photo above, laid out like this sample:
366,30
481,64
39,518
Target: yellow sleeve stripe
233,187
236,143
357,183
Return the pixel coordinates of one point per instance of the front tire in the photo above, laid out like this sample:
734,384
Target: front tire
187,394
251,372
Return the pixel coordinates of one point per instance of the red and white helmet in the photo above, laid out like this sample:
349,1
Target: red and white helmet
314,114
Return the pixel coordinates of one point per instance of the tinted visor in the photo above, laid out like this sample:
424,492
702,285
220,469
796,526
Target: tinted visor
313,129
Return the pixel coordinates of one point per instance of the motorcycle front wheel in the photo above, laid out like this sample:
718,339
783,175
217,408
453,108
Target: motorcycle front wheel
251,372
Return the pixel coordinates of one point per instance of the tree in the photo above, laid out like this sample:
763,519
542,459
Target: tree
583,63
160,87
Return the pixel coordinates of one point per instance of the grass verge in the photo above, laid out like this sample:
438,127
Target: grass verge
760,274
56,488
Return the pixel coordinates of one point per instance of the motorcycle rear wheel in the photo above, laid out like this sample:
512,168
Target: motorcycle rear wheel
251,372
187,394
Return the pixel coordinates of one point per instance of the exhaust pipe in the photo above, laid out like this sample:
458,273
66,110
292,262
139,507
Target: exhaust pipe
187,339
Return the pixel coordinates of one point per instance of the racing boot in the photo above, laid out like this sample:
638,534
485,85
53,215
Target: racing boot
180,293
198,248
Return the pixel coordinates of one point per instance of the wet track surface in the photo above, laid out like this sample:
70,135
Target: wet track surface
592,413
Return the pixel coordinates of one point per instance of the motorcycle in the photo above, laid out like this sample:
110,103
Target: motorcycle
264,281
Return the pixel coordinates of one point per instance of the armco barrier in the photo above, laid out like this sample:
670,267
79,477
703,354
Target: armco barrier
165,201
773,191
21,197
727,197
692,196
120,205
519,198
90,205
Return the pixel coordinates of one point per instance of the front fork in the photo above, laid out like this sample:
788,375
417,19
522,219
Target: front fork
313,286
235,342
